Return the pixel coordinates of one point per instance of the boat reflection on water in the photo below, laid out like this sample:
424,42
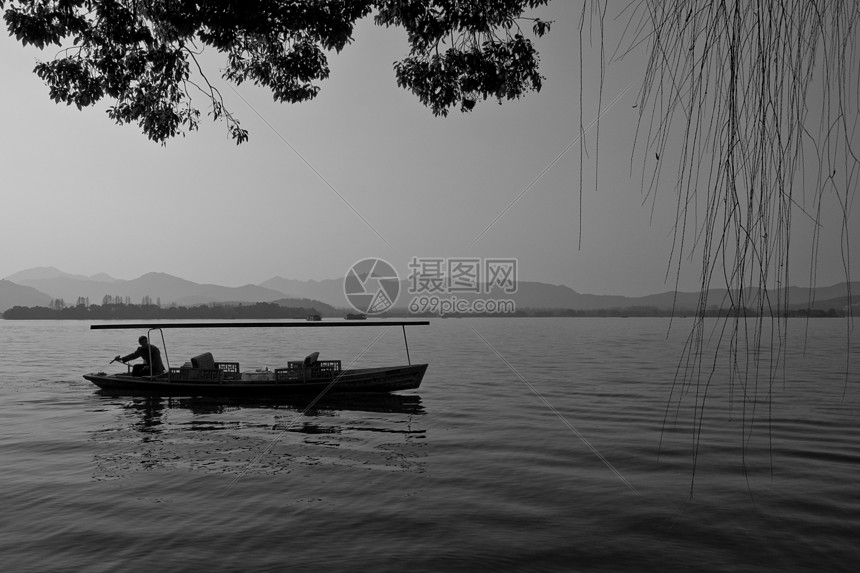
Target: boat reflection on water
220,435
150,408
149,413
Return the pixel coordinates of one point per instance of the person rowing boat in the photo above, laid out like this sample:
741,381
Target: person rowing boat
151,355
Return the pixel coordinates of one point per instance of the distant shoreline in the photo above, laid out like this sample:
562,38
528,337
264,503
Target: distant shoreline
264,310
154,312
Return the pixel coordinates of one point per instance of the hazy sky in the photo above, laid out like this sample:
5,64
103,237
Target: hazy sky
85,195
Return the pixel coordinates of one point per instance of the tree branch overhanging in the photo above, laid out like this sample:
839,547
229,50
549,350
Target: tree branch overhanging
134,52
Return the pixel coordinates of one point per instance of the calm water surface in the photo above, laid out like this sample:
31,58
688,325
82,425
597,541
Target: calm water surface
533,444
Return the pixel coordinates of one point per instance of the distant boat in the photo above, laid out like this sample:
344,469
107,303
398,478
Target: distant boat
203,376
313,317
356,317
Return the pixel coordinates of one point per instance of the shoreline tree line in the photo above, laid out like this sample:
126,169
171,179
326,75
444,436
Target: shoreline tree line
270,310
146,310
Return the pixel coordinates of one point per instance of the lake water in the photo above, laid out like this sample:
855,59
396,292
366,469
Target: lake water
551,444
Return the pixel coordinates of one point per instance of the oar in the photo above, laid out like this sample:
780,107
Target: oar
118,359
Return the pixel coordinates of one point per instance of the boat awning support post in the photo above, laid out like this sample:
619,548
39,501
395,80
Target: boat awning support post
406,342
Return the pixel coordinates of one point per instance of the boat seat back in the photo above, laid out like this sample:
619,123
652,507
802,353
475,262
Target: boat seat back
204,361
311,359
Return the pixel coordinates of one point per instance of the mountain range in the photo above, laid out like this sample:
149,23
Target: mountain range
38,286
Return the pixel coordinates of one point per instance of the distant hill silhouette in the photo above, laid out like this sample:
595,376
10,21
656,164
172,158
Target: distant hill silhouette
168,288
12,294
537,295
37,273
329,291
327,296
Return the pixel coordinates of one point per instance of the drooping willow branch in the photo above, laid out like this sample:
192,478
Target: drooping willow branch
752,107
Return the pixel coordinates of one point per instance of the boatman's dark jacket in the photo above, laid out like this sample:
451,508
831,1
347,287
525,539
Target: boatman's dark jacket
143,352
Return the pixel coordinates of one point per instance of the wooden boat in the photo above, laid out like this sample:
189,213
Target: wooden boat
203,376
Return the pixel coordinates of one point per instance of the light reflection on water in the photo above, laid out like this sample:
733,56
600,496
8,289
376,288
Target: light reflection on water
472,471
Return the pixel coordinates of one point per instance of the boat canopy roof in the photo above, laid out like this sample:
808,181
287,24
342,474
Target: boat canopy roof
304,324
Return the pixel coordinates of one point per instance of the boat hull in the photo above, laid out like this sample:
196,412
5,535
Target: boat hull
361,380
